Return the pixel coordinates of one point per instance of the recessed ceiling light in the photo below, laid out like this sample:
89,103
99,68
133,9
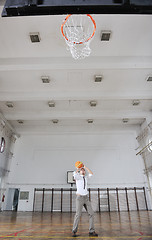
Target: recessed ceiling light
20,121
135,102
45,79
55,120
93,103
9,104
98,78
51,104
35,37
125,120
105,35
90,120
149,79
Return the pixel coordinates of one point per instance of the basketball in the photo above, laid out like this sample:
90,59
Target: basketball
79,164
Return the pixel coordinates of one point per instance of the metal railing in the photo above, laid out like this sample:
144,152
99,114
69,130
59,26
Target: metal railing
104,199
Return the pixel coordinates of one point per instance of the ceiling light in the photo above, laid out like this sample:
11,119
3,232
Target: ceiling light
51,104
105,35
93,103
125,120
90,120
97,78
149,79
20,121
135,102
35,37
45,79
10,104
55,120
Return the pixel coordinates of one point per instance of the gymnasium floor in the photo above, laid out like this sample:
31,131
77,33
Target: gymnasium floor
122,226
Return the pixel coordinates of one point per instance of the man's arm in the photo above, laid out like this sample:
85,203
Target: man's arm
77,170
76,175
89,171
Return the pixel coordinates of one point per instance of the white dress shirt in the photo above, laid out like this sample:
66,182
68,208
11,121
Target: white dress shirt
81,183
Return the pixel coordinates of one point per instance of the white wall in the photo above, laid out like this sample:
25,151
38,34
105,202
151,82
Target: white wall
43,161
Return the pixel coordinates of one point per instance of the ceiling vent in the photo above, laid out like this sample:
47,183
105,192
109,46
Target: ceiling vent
20,121
55,120
45,79
135,102
35,37
105,35
90,120
51,104
149,79
125,120
10,104
97,78
93,103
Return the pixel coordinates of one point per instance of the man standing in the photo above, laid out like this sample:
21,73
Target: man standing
82,199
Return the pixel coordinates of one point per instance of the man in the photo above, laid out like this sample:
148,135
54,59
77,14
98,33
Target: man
82,199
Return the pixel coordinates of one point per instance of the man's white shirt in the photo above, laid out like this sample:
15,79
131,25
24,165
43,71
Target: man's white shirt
81,183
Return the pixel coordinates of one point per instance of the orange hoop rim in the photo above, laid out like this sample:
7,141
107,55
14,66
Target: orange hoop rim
67,17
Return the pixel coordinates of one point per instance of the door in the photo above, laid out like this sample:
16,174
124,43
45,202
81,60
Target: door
12,199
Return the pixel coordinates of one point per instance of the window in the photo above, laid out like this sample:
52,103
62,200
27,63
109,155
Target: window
24,195
2,145
149,143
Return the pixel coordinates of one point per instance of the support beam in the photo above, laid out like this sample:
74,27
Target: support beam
8,125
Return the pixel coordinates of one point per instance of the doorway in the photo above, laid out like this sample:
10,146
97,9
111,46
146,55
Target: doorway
15,200
12,199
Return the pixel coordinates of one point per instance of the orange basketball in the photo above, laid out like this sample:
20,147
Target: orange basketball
79,164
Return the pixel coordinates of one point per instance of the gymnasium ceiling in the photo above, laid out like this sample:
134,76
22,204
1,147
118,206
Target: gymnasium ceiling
124,62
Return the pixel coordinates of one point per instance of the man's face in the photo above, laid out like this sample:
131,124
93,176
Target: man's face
82,171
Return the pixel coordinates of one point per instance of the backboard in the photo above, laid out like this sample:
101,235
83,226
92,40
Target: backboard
57,7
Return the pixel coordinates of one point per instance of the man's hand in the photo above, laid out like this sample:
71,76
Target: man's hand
89,171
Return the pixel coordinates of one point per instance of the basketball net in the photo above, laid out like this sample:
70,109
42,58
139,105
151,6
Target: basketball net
78,31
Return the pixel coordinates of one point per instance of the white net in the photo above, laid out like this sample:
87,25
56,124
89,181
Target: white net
78,31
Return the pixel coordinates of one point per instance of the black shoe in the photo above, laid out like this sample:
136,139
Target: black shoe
74,234
93,234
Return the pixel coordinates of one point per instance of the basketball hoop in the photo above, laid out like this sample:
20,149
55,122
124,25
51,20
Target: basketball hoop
78,31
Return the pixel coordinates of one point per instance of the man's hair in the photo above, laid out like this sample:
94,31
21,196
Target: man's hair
82,168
